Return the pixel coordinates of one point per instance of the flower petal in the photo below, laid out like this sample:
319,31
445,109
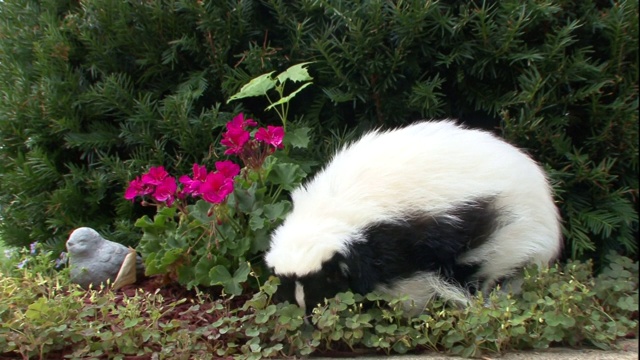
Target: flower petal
228,168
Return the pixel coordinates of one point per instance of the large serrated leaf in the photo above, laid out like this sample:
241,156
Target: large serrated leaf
288,175
260,240
246,198
143,222
298,138
295,73
277,210
186,275
256,220
256,87
220,275
287,98
171,256
203,267
242,272
151,265
200,211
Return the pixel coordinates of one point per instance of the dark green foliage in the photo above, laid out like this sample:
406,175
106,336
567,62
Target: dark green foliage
97,91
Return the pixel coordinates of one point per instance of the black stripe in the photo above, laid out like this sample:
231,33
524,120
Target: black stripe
421,243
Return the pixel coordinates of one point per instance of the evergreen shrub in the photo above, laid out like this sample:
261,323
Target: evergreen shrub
95,92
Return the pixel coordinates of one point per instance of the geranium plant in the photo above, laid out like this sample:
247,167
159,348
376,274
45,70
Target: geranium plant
211,224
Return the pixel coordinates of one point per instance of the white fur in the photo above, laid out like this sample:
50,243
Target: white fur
299,294
421,289
428,167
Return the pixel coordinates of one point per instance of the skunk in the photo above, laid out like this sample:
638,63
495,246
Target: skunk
433,209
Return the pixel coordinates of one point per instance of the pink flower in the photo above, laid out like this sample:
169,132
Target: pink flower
192,186
239,122
156,182
234,139
228,168
216,188
137,187
272,135
237,135
166,190
155,175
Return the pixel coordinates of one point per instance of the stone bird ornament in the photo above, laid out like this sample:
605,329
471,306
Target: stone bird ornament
93,259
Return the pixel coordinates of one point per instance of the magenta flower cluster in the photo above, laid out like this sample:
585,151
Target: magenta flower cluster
156,183
214,186
237,139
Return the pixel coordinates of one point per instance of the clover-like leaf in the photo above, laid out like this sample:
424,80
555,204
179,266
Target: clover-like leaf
220,275
263,316
37,309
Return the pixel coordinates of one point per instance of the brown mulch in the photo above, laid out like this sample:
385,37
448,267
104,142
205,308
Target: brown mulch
171,293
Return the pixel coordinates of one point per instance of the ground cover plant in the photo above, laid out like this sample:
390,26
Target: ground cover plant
44,317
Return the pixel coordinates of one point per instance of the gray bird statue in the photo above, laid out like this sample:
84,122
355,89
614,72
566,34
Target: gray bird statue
94,259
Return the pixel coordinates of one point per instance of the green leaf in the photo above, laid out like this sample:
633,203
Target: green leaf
628,303
264,315
37,309
151,266
220,275
202,269
160,220
298,138
129,323
176,240
260,240
252,332
242,272
246,198
288,175
200,211
287,98
295,73
277,210
171,256
256,221
256,87
143,222
186,275
401,347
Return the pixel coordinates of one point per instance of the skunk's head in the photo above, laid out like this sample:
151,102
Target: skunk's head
310,258
311,289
